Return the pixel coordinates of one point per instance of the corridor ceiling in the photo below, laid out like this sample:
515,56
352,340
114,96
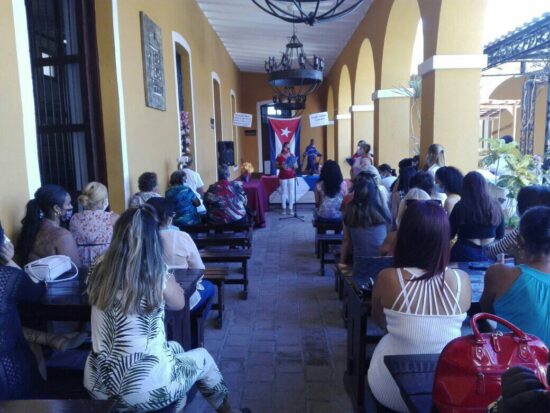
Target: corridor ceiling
250,35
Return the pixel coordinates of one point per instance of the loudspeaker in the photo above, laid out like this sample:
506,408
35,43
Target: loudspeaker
226,153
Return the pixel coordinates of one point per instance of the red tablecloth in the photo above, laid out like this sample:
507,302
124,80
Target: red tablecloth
270,184
258,200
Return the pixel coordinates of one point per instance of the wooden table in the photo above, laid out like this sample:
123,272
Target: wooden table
414,375
67,301
358,305
57,406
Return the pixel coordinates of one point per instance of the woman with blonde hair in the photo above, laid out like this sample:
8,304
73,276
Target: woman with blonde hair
131,361
435,158
92,228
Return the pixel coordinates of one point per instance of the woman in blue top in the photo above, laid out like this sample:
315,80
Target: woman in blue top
185,199
521,294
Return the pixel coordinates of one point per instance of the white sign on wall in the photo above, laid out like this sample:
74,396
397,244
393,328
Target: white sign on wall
242,119
318,119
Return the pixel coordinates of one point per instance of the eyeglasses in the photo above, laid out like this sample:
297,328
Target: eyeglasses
431,201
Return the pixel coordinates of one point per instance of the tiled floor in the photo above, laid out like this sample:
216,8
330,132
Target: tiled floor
282,350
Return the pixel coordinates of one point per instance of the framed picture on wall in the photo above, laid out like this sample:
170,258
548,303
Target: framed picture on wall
153,64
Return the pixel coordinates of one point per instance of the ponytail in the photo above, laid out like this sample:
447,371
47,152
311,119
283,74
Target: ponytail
31,224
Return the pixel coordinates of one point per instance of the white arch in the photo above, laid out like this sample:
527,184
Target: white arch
179,39
216,77
234,130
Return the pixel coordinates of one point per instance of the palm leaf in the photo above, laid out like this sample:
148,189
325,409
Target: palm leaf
115,330
158,399
125,375
184,371
149,324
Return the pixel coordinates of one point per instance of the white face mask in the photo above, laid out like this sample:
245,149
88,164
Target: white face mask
105,204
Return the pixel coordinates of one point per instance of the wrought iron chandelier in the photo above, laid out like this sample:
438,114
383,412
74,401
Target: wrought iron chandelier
294,76
307,11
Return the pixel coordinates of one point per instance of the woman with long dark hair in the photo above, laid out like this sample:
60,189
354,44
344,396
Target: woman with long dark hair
329,192
403,185
448,180
476,219
365,221
400,296
131,362
42,234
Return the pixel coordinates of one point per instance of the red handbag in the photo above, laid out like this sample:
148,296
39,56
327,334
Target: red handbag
467,376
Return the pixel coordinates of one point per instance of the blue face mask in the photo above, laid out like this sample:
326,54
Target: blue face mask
68,215
439,189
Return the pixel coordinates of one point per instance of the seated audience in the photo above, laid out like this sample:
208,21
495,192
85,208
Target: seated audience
400,295
148,188
225,200
18,367
476,219
129,289
194,180
425,181
42,234
400,190
528,197
435,158
180,251
414,194
521,294
448,180
92,228
329,193
365,221
185,200
388,175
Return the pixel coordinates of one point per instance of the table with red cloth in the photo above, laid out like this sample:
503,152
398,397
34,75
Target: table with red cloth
270,184
258,200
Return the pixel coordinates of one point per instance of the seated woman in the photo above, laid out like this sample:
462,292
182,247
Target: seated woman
92,228
400,189
42,234
329,193
476,219
528,197
129,289
400,295
365,221
415,194
18,368
521,294
448,180
148,188
225,200
180,250
185,200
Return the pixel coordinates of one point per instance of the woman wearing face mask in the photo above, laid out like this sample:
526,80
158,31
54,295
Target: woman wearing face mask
448,181
286,162
92,228
42,234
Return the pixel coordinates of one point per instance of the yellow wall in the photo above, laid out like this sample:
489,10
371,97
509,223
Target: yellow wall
14,182
254,89
152,135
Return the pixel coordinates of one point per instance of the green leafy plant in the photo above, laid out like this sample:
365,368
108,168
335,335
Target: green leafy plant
513,171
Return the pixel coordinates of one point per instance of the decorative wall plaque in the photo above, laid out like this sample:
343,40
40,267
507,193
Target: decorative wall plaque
153,65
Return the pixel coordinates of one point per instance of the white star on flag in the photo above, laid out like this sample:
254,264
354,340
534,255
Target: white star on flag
285,132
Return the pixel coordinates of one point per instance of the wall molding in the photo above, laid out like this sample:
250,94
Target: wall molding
179,39
343,116
361,108
27,97
216,77
456,61
391,94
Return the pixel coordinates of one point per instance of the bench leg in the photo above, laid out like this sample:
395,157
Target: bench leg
244,294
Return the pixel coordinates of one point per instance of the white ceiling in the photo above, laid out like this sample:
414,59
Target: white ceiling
250,35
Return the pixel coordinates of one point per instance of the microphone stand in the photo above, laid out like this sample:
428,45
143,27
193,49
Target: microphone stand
295,215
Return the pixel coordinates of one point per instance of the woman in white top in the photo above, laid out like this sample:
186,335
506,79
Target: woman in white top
435,158
421,303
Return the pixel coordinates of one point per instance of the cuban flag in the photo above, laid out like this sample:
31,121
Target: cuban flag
280,132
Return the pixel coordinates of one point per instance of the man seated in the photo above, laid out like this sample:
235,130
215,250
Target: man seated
311,155
225,200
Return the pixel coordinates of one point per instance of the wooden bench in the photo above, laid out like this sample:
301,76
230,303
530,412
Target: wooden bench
235,239
322,227
211,228
217,276
224,256
324,241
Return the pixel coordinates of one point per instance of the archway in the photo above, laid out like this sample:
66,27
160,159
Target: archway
363,108
343,118
234,130
392,119
330,151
